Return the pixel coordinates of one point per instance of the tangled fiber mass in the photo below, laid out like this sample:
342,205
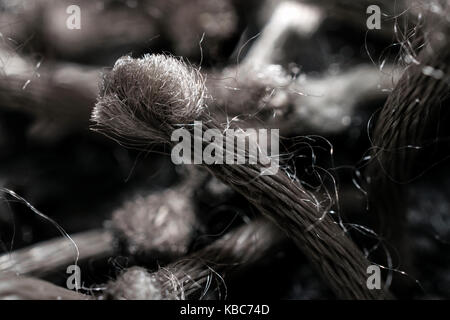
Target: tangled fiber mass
88,185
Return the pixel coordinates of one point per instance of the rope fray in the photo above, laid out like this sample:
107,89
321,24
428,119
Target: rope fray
147,98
